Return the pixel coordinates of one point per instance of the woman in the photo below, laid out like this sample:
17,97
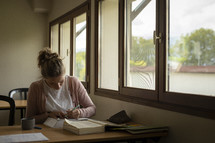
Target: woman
57,95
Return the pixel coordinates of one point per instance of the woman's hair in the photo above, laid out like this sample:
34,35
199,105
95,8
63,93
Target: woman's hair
50,64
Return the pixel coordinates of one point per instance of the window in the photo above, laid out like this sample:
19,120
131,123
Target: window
108,45
69,38
164,57
79,46
65,44
54,38
190,50
139,56
139,51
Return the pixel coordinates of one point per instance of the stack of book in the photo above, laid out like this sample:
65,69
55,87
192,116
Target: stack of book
89,126
137,128
95,126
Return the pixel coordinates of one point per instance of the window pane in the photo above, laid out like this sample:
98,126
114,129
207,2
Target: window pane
65,45
191,47
139,50
54,38
79,47
108,45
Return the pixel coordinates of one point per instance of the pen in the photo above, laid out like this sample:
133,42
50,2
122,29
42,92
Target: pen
37,128
66,116
76,107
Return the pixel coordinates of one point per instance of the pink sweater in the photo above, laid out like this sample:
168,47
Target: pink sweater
37,100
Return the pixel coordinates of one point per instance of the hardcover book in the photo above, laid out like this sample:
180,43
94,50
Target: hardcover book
84,126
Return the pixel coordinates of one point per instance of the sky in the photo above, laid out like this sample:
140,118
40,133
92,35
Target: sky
81,39
185,17
144,23
191,15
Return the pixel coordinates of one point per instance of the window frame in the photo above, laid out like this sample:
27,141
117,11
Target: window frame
192,104
69,16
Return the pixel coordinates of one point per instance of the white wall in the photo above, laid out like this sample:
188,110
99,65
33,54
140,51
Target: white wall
59,7
22,34
198,83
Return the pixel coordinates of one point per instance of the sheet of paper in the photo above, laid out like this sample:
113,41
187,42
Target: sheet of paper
51,122
28,137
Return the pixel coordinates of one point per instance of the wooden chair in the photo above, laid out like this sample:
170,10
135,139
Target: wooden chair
22,95
12,108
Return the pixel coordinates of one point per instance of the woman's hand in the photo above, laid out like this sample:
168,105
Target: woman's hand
56,114
73,113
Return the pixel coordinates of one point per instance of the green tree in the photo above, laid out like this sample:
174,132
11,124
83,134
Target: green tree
142,52
80,70
196,48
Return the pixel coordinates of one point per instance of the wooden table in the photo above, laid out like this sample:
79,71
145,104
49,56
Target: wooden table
20,104
61,135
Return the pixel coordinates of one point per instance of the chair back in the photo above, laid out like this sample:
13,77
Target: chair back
12,108
22,93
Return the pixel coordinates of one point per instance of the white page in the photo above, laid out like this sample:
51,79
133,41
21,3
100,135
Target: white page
28,137
83,124
58,123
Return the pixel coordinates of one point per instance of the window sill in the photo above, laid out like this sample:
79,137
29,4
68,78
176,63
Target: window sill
199,112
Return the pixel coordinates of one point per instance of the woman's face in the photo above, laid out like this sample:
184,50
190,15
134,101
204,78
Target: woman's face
55,82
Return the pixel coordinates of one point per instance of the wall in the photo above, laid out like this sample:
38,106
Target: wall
59,7
183,128
22,34
199,83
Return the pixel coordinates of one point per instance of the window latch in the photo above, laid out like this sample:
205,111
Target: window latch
67,52
155,38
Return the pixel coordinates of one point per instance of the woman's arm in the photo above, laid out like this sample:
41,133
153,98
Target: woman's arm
88,108
81,97
35,101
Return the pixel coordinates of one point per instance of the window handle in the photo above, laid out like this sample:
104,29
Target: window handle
67,52
155,37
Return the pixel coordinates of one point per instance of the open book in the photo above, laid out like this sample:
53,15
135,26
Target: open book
58,123
84,127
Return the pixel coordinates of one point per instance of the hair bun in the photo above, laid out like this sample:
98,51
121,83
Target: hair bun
46,55
49,56
50,64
